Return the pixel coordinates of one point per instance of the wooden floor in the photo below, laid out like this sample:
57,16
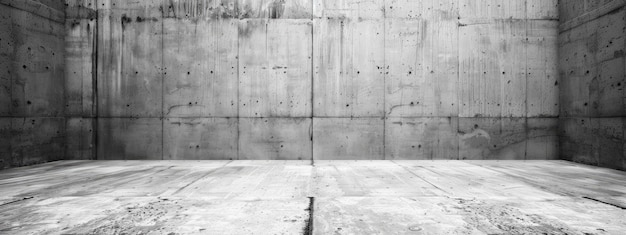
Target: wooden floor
344,197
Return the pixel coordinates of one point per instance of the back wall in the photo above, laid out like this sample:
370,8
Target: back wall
315,79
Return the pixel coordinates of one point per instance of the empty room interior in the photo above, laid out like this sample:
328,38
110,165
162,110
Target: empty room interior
312,117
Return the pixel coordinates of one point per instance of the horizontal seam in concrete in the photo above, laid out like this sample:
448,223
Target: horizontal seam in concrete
592,15
58,19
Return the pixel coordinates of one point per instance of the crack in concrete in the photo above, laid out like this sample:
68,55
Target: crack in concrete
308,229
603,202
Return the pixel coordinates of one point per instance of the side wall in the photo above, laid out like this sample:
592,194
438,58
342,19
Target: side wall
32,94
323,79
593,100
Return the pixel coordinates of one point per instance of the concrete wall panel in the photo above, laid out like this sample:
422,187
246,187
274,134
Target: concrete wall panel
130,139
6,134
201,62
80,42
37,140
200,139
421,138
295,9
492,9
6,60
492,82
348,139
349,68
275,138
37,66
80,139
543,140
200,9
492,138
353,9
411,9
542,9
275,68
130,64
542,98
421,61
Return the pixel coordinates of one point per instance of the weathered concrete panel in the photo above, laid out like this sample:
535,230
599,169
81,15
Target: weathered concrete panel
80,43
606,91
37,140
200,139
129,139
575,61
348,139
129,65
492,9
275,138
6,134
201,61
200,9
80,139
542,9
610,35
349,67
576,141
6,60
542,98
542,141
421,138
492,82
421,62
352,9
428,10
276,9
492,138
37,67
610,135
275,68
50,10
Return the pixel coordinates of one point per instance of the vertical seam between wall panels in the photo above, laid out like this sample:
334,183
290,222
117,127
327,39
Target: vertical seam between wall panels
458,83
95,100
526,45
238,21
384,153
312,83
162,85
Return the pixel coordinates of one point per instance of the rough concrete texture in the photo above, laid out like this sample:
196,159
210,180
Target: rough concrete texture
32,84
591,66
294,197
323,68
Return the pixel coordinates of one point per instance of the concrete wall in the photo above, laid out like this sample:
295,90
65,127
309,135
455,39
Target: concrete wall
32,92
322,79
591,67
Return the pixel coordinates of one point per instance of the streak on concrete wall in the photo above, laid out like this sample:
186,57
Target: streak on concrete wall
592,95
